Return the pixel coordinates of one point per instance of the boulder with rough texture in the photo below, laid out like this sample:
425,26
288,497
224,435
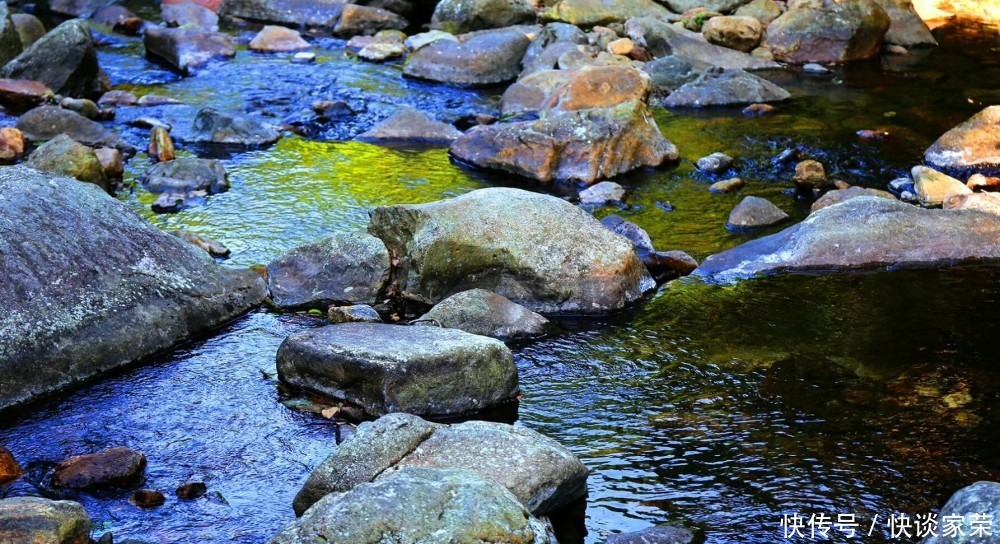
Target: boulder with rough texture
906,28
971,506
661,39
528,93
828,31
719,87
933,187
10,41
671,73
408,124
654,535
189,14
186,49
10,470
537,250
187,174
47,122
863,233
540,472
419,505
764,11
356,313
721,6
116,467
64,157
310,13
754,212
836,197
29,28
485,313
344,268
37,520
734,32
484,57
64,60
358,20
11,145
274,39
228,127
973,144
984,202
459,16
98,273
381,368
602,12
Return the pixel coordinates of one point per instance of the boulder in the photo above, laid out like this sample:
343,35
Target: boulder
527,94
735,32
482,312
357,313
600,12
65,157
120,19
721,6
599,87
716,163
906,28
189,14
64,60
863,233
47,122
601,193
419,505
754,212
226,127
11,145
37,520
10,40
764,11
552,41
116,467
310,13
344,268
410,125
810,176
484,57
381,368
537,250
654,535
185,175
99,274
662,39
77,8
836,197
671,73
933,187
10,470
540,472
973,144
358,20
827,31
274,39
29,28
186,49
460,16
972,506
719,87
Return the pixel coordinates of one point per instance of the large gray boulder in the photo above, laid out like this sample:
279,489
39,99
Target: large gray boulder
718,87
430,506
47,122
186,49
976,505
383,368
484,57
311,13
537,250
460,16
973,144
64,60
91,287
479,311
343,268
541,473
10,40
37,520
662,39
828,31
863,233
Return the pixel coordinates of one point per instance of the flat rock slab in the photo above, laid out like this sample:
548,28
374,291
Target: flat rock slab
393,368
47,122
37,520
484,57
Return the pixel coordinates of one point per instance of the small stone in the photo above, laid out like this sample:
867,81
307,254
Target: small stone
378,52
156,100
754,110
357,313
909,196
754,212
169,202
417,41
810,175
332,109
191,491
150,122
813,68
111,161
979,182
116,467
11,145
274,39
210,245
117,98
715,163
148,498
727,185
654,535
304,57
10,470
896,50
873,135
621,46
601,193
786,157
161,146
933,187
841,185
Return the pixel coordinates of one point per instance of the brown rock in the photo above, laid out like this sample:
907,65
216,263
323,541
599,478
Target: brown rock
366,20
972,144
754,212
979,182
148,498
208,4
161,145
933,187
840,195
983,202
528,94
117,98
191,491
621,46
727,185
739,33
599,87
23,94
9,469
754,110
111,161
828,31
764,11
11,145
695,18
120,19
66,157
277,39
117,467
32,520
809,175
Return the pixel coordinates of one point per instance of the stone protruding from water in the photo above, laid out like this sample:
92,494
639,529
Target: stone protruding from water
228,127
824,31
654,535
753,213
64,157
979,501
116,467
458,16
973,144
410,125
381,368
483,312
484,57
934,188
65,60
37,520
186,49
47,122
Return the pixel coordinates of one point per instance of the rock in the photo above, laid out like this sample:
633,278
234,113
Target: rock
552,41
527,94
764,11
149,100
9,469
186,49
417,41
739,33
836,197
65,157
191,491
541,473
224,127
984,202
189,14
357,313
654,535
378,52
116,467
47,122
583,134
670,73
420,505
727,185
601,193
598,12
309,13
863,233
810,175
187,174
906,28
37,520
933,187
460,16
10,40
662,39
970,506
754,212
278,39
84,107
407,124
721,6
111,162
552,258
344,268
120,19
77,8
111,99
98,273
363,20
485,313
483,57
210,245
976,182
719,87
383,368
716,163
813,68
828,31
754,110
147,498
11,145
304,57
29,28
693,19
621,46
972,144
161,146
64,60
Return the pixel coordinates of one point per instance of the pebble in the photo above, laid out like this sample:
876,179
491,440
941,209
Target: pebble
813,68
148,498
304,57
727,185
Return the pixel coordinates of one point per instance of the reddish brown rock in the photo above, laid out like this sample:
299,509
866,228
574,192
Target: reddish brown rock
191,490
599,87
11,145
972,144
979,182
809,175
355,20
111,161
148,498
117,467
9,469
828,31
161,146
23,94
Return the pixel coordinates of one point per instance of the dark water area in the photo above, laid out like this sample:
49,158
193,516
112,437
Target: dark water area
717,408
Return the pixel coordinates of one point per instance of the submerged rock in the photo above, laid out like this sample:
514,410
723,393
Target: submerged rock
210,245
537,250
47,122
754,212
716,163
970,506
727,185
116,467
973,144
411,125
225,127
65,157
828,31
64,60
484,57
718,87
37,520
98,273
381,368
483,312
458,16
186,49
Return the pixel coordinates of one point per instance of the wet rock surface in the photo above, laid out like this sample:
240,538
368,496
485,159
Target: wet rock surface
482,312
47,122
116,467
483,57
718,87
828,31
754,212
64,59
972,144
30,519
64,157
971,505
410,125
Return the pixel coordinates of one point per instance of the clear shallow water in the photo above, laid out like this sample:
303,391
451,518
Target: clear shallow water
718,408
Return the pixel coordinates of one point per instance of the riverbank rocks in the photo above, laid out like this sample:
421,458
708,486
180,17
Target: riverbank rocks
484,57
47,122
540,472
863,233
186,49
739,33
719,87
187,175
827,31
275,39
754,212
98,273
116,467
979,501
460,16
343,268
598,12
65,157
906,28
358,20
485,313
32,519
309,13
973,144
382,369
227,127
662,39
537,250
933,187
410,125
64,60
419,505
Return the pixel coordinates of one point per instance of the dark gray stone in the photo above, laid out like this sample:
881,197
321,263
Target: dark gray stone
191,15
484,57
483,312
186,49
223,127
187,174
357,313
671,72
654,535
47,122
718,87
358,20
64,60
408,124
754,212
